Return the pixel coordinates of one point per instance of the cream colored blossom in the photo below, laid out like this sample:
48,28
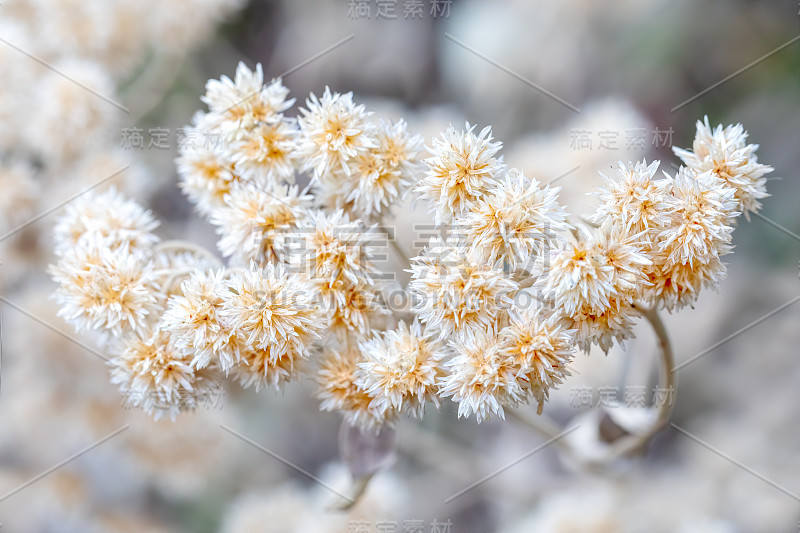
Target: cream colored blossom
339,390
255,222
105,219
378,177
111,291
479,379
206,176
153,374
193,319
702,207
273,313
456,290
541,348
334,131
691,244
245,101
515,221
333,248
401,368
593,282
724,153
462,169
632,198
266,153
348,307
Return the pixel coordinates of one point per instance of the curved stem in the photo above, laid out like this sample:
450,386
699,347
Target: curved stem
187,246
666,382
357,490
630,443
542,424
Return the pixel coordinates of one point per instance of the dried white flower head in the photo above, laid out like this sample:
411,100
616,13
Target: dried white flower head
245,101
266,153
456,291
255,222
690,245
193,319
725,153
462,169
206,176
634,199
541,347
273,313
155,375
106,219
378,177
339,390
593,281
335,249
108,290
515,221
401,369
480,379
334,131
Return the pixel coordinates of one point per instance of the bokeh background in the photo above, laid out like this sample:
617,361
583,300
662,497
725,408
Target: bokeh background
95,93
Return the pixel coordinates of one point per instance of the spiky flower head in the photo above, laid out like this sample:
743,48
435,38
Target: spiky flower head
456,290
378,177
194,322
334,131
401,369
246,100
256,221
266,153
633,198
462,169
479,379
271,311
206,173
337,379
691,244
725,153
593,281
110,291
541,348
106,219
156,376
701,209
515,221
333,248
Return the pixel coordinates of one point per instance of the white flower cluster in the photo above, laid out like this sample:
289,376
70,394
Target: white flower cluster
60,120
502,298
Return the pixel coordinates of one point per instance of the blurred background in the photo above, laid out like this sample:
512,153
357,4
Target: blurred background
96,93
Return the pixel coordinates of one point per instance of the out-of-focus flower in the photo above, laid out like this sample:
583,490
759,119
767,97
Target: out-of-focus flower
107,219
339,390
155,375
